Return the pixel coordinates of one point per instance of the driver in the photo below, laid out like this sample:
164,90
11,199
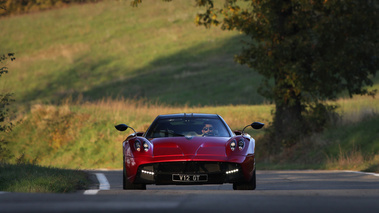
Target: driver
207,129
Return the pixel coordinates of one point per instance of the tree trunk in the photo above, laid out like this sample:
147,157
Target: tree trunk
288,119
288,123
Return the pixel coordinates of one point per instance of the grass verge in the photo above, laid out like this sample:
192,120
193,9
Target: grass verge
34,178
351,143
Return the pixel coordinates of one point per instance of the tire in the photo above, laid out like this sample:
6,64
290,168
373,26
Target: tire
251,185
127,185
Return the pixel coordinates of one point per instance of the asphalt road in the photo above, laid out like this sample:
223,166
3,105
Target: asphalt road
277,191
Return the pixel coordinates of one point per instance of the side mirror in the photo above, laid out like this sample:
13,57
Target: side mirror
255,125
123,127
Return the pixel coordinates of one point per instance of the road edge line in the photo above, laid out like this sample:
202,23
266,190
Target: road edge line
103,185
91,192
366,173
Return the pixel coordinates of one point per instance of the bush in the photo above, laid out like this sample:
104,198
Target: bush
24,6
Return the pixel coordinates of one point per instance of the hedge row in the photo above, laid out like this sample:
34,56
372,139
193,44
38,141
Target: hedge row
8,7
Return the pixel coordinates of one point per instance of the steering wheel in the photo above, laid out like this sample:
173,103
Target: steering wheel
208,134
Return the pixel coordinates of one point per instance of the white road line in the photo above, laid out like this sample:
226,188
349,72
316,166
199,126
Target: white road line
103,185
366,173
91,192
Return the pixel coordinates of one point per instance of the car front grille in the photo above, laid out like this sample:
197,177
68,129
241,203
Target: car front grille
163,172
189,167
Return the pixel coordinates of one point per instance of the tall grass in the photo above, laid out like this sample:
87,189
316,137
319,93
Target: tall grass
351,142
357,109
82,134
74,135
352,159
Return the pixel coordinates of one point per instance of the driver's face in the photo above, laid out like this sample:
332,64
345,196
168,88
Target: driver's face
207,128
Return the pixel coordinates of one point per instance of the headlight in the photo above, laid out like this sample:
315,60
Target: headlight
233,145
241,144
137,145
145,146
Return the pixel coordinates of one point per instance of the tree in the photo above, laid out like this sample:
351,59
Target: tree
309,51
24,6
5,99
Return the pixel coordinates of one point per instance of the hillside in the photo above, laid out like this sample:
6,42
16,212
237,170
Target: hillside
110,49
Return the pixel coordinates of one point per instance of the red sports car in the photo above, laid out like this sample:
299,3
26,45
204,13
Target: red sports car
189,149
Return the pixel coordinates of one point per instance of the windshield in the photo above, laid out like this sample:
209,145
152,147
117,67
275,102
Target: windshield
188,127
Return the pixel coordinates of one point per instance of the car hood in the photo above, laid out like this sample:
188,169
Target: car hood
189,146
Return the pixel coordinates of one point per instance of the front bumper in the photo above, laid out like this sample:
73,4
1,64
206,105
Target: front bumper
162,173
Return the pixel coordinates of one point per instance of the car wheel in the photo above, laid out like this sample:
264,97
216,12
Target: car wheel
127,185
251,185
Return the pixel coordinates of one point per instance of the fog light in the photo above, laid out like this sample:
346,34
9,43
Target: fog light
232,171
147,172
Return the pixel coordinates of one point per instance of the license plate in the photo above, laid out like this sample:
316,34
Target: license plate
190,177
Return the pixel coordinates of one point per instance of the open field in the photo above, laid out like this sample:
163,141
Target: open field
112,50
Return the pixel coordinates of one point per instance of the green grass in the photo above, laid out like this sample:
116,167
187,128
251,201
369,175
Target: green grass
110,49
363,135
33,178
